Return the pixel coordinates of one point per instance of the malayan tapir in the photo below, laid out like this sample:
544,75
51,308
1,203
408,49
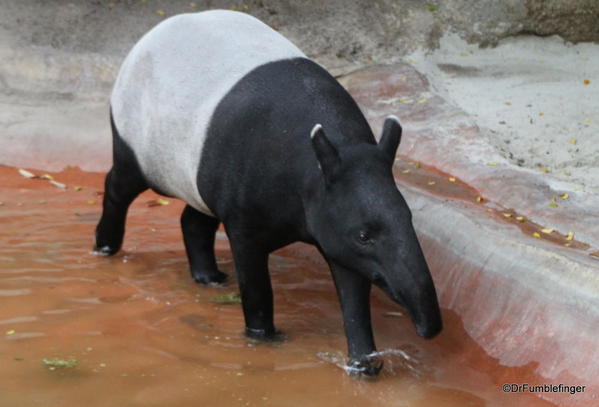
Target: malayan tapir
221,111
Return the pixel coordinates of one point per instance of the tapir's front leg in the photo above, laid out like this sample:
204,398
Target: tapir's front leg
251,265
353,291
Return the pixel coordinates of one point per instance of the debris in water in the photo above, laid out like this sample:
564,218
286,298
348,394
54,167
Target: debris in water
231,298
56,363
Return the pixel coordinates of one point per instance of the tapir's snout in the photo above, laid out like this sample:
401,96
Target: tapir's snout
410,285
431,327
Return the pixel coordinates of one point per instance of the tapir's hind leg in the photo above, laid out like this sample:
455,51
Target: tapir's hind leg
199,231
124,182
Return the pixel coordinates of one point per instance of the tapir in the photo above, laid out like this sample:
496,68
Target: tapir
221,111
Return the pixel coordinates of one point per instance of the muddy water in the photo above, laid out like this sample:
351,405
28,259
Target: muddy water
144,334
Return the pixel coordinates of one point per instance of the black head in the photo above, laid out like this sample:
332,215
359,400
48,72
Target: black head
361,222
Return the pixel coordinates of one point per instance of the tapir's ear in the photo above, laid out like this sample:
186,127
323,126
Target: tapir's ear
326,153
391,137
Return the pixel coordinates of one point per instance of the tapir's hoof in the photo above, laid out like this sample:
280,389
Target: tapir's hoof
209,277
264,335
104,250
368,367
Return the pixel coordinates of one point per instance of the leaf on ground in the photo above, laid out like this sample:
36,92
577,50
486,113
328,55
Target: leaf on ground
570,236
572,141
27,174
521,219
565,195
586,82
537,235
58,184
57,363
158,202
231,298
507,215
479,199
547,231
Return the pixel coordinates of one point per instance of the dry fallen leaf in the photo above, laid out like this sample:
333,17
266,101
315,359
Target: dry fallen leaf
58,184
479,199
27,174
586,82
158,202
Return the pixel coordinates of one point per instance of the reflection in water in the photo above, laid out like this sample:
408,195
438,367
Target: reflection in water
144,334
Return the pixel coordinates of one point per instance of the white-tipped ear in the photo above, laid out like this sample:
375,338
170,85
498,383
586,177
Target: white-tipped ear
391,137
326,153
315,130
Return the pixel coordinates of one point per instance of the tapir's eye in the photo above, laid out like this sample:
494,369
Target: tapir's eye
364,238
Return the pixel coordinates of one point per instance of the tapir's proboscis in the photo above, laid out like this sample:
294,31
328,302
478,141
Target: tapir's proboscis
221,111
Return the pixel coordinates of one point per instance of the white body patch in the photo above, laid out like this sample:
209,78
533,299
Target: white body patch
172,81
